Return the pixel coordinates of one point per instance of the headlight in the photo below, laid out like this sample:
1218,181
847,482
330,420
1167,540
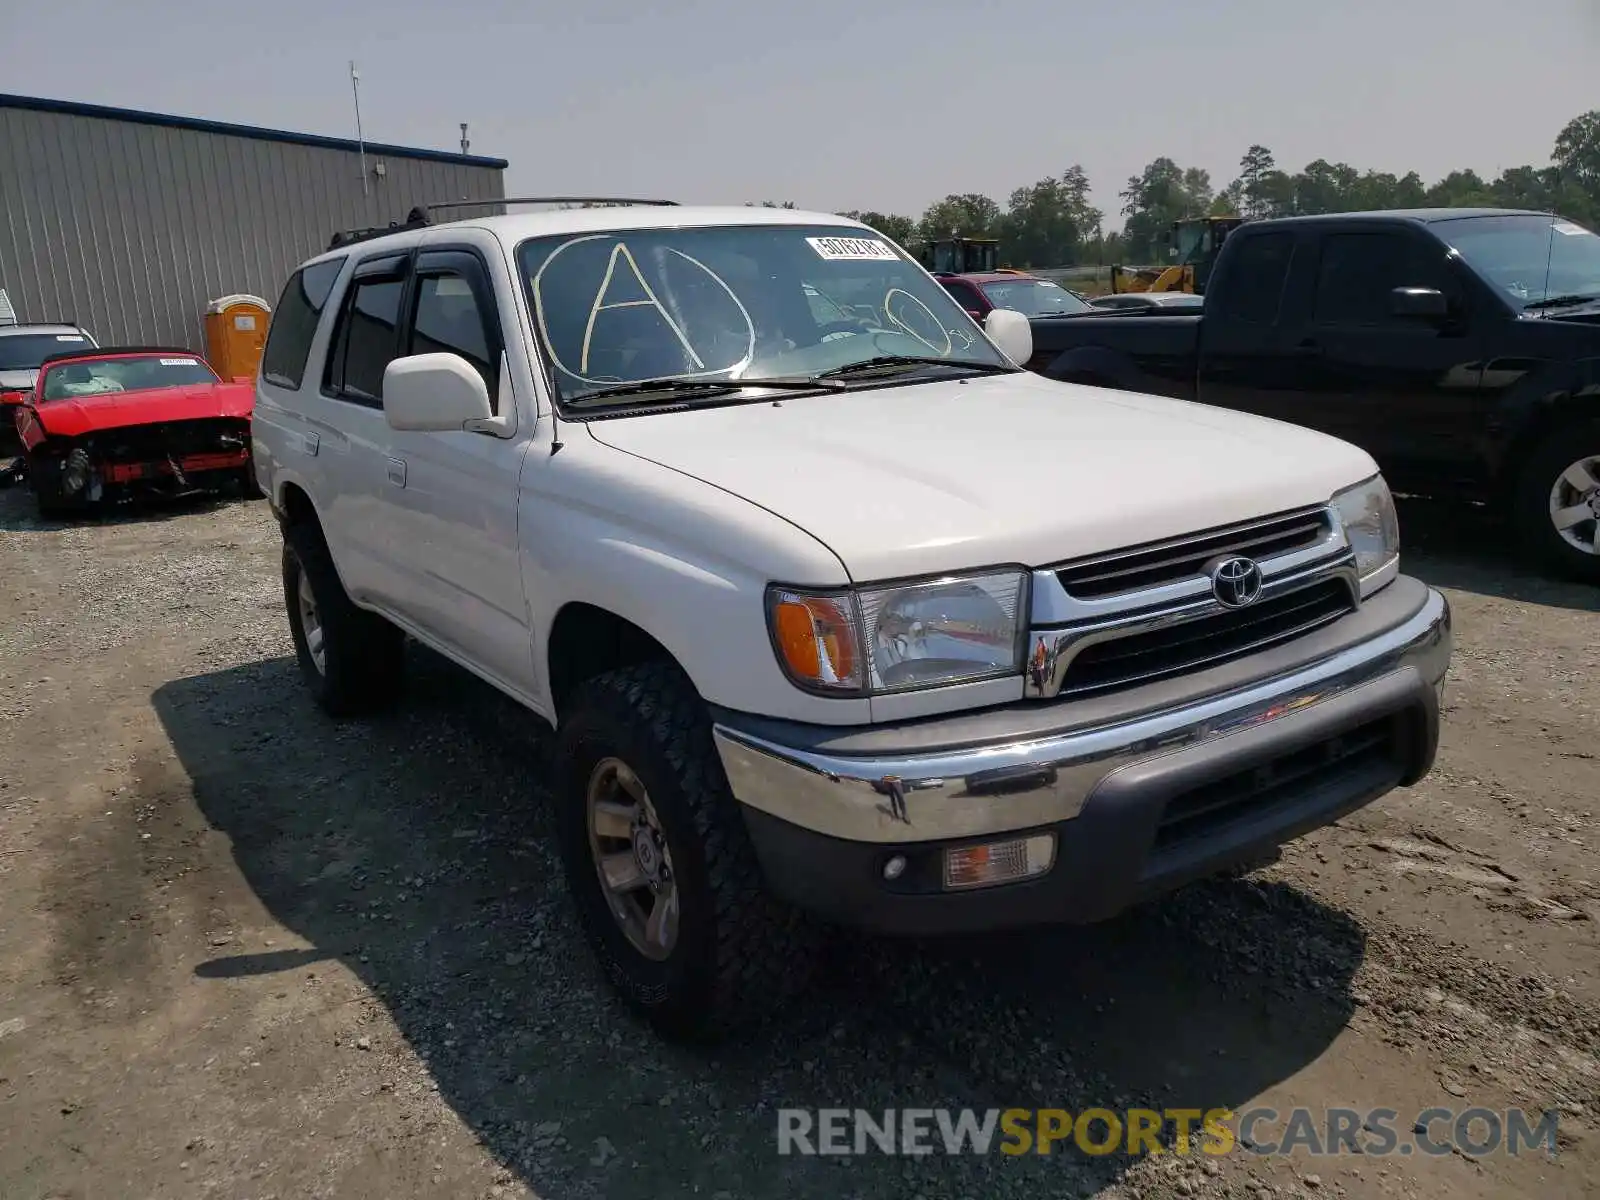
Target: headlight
1370,522
920,634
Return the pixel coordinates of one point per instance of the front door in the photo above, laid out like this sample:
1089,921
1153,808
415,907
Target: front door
1406,389
453,496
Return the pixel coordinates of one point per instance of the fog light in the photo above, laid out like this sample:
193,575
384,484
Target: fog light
999,862
895,867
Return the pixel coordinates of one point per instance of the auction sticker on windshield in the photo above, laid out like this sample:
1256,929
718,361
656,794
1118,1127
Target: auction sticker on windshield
177,362
1571,230
842,249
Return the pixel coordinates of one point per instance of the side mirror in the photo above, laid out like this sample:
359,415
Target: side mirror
1429,304
433,393
1012,332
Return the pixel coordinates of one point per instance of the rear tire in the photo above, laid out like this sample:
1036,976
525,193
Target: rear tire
1555,502
734,950
352,660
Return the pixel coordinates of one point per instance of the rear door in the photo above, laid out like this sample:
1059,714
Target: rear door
352,442
1248,358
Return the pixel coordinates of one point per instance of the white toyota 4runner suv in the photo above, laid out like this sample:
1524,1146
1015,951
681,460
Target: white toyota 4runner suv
836,609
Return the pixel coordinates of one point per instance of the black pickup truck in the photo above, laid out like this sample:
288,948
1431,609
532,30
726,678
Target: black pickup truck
1459,347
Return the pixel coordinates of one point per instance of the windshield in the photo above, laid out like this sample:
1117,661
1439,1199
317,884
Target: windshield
1528,258
731,303
25,351
1034,297
98,376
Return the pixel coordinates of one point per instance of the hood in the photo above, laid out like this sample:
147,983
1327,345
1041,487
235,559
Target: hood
116,410
944,476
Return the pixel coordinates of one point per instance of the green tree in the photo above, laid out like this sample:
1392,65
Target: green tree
1261,185
1048,223
893,226
1577,152
968,214
1159,195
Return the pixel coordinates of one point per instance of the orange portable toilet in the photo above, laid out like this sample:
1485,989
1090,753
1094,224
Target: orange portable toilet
236,330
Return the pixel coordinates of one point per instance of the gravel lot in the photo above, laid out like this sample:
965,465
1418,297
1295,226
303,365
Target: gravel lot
245,952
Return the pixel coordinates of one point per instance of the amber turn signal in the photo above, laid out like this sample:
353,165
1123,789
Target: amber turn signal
816,640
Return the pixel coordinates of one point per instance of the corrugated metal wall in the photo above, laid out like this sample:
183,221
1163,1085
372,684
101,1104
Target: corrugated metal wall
132,229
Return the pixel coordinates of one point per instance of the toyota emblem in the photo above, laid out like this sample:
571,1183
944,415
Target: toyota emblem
1235,582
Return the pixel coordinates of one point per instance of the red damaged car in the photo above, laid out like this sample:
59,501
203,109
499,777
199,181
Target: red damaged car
115,422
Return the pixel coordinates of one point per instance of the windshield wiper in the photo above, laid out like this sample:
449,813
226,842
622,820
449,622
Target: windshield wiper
912,360
703,387
1563,301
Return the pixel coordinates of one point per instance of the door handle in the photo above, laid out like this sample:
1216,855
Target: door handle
1308,349
397,472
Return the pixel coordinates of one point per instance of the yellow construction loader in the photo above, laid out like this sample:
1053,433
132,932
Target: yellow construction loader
1193,245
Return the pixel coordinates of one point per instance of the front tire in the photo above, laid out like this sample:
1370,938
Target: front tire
352,660
1556,502
659,865
44,478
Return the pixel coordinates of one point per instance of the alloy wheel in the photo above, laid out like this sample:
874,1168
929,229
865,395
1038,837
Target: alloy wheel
631,858
311,624
1575,505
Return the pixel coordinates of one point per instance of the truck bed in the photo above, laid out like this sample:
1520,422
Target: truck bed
1164,350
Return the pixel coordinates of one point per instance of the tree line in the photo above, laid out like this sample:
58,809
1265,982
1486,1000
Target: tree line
1051,223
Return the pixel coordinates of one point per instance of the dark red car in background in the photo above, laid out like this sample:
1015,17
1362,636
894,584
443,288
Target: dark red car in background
110,423
981,294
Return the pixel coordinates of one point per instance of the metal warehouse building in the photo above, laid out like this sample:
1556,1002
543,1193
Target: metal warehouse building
131,223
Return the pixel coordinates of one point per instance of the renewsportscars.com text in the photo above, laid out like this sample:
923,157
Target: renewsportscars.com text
836,1132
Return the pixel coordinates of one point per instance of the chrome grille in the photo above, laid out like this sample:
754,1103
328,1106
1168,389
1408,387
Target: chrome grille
1188,645
1161,563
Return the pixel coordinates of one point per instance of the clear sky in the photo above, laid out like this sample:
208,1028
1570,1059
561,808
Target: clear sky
840,104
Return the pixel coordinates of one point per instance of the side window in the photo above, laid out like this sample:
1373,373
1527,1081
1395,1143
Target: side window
1357,271
366,338
447,318
963,294
1258,267
283,361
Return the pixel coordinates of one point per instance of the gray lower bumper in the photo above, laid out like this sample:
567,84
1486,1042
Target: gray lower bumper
1042,778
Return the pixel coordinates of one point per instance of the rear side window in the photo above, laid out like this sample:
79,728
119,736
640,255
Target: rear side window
283,361
1258,267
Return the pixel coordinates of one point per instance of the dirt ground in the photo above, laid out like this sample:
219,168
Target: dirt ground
245,952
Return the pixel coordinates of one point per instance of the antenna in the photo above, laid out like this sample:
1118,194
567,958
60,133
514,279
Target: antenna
361,145
465,144
1550,235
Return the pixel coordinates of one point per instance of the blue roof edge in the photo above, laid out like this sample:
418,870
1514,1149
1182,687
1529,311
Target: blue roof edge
106,112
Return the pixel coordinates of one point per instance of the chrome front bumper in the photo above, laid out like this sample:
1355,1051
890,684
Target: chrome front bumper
1041,779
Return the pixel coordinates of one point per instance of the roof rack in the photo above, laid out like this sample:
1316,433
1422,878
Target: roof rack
593,201
420,216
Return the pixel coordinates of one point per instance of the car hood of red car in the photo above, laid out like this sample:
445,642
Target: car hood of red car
78,415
